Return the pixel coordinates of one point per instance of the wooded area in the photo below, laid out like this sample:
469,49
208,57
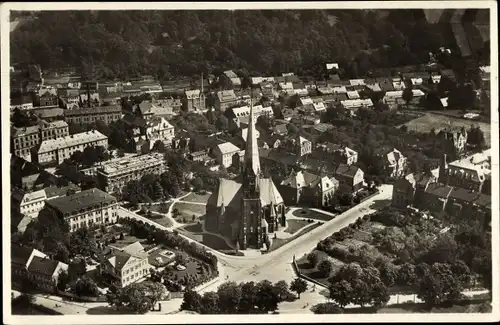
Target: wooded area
172,44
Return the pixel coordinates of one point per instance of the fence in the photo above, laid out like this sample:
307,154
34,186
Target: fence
305,277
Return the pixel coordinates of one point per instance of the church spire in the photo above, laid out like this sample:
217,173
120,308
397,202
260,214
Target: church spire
252,159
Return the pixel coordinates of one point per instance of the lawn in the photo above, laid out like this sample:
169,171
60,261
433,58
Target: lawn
196,197
187,212
160,219
194,231
413,308
295,225
438,122
278,242
310,214
162,207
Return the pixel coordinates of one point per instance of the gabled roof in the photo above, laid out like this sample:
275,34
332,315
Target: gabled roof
346,170
439,190
20,254
43,266
269,194
227,148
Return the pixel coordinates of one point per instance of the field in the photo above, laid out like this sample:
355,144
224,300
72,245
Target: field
187,212
439,122
195,197
160,219
311,214
295,225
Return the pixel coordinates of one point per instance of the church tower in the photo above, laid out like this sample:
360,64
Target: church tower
250,226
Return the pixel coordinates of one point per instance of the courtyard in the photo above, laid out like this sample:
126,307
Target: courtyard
186,213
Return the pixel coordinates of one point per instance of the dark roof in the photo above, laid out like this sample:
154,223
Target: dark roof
81,200
347,170
280,128
439,190
20,254
134,120
385,84
43,266
463,194
53,191
121,259
483,200
112,109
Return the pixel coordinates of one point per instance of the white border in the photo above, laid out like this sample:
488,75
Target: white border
146,319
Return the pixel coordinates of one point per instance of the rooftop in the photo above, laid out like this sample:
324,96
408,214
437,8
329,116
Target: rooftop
114,109
127,164
226,95
227,147
71,141
81,201
16,132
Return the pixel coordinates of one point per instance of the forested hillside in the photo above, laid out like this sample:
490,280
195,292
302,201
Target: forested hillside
171,44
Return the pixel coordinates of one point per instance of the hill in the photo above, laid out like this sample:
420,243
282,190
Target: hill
173,44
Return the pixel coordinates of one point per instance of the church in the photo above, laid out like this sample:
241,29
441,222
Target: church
249,208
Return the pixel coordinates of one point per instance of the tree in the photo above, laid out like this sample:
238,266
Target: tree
312,258
408,95
406,275
248,301
192,301
341,292
159,146
86,287
82,242
299,286
210,303
282,289
328,308
388,274
229,297
221,123
267,297
181,258
197,184
325,268
141,297
76,268
62,280
292,128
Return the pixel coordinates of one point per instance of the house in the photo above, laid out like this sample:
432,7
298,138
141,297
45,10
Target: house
287,87
303,187
351,176
31,264
20,259
22,103
128,264
409,190
357,82
355,104
193,100
395,164
230,79
271,142
470,172
31,203
398,84
86,115
200,155
341,154
225,152
28,176
225,99
302,146
48,99
385,84
454,141
435,197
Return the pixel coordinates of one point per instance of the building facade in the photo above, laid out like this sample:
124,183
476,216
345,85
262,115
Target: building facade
59,149
113,175
106,114
23,140
88,208
225,99
193,100
128,264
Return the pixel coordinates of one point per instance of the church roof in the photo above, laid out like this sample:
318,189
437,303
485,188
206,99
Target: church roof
268,192
225,192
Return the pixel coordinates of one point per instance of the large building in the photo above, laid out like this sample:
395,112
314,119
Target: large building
57,150
193,100
88,208
128,264
156,129
248,209
25,139
113,175
225,99
107,114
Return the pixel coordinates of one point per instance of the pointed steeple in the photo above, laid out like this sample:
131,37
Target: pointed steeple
252,159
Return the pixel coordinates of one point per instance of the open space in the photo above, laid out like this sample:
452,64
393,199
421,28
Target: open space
160,219
196,197
295,225
278,242
187,213
194,232
439,122
162,207
311,214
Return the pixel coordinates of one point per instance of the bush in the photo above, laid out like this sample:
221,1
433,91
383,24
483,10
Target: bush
327,308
